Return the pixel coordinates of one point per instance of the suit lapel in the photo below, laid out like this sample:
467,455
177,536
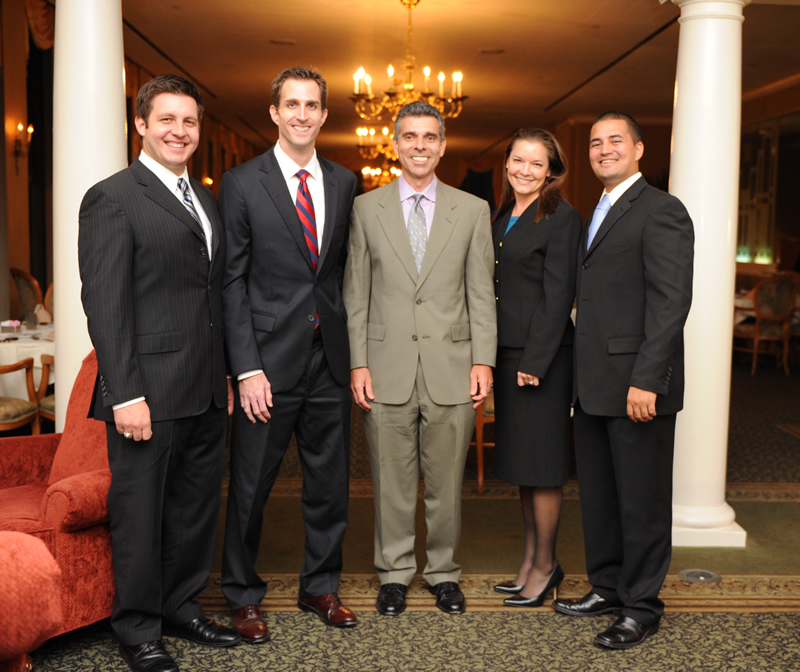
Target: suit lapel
275,186
155,190
619,208
390,217
331,206
444,221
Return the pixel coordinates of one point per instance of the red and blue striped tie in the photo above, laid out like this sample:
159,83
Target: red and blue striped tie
305,211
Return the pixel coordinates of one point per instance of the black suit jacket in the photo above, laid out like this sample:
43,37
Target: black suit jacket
634,290
271,291
535,282
152,297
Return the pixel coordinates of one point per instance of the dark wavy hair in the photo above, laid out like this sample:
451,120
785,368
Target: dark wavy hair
550,195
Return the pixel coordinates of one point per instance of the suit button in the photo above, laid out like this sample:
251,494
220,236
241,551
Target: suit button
203,252
585,266
419,301
310,318
414,337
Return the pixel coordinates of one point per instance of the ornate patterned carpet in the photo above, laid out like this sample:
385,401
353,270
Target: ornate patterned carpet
474,642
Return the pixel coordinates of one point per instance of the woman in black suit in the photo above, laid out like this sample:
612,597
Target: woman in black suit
536,234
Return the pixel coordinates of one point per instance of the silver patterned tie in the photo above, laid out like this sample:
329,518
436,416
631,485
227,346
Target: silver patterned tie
417,232
187,199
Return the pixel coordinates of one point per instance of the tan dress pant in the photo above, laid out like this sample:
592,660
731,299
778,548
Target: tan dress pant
406,440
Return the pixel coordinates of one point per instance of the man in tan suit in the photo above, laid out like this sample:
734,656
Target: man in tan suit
423,335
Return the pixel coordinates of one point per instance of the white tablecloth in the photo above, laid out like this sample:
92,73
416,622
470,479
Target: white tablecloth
12,351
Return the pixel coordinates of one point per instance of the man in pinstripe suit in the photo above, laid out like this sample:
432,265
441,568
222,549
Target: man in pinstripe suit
151,252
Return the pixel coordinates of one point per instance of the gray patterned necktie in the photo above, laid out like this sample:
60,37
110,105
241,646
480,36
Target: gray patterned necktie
417,232
187,199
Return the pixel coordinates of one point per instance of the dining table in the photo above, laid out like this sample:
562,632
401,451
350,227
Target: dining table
19,345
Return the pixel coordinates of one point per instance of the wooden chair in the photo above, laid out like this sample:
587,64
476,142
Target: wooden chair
18,412
773,303
47,404
484,416
30,293
49,304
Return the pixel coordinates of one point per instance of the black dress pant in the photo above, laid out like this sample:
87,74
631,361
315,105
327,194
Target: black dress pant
625,479
317,410
163,507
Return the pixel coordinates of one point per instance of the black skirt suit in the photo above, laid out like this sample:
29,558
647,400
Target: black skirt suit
535,289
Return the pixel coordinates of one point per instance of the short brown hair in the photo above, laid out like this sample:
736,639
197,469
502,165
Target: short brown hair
550,195
166,84
300,73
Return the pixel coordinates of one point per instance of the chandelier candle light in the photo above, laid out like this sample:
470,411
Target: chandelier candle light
371,145
401,92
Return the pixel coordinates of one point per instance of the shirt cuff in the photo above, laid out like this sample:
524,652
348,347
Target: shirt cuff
249,374
116,407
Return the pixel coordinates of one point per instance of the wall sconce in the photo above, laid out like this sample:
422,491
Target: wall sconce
208,181
22,143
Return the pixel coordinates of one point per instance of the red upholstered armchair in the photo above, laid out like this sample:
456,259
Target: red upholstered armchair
55,487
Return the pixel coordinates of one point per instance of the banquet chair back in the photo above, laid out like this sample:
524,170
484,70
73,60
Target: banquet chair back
30,293
19,412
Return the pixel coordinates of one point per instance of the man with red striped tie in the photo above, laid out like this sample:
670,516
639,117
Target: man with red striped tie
287,218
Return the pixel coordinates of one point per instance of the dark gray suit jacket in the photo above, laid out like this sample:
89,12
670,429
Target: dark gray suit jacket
152,297
271,291
535,280
634,290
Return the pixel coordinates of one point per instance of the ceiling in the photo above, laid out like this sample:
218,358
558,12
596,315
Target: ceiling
234,48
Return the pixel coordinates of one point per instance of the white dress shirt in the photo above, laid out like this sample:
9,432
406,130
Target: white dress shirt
621,188
315,182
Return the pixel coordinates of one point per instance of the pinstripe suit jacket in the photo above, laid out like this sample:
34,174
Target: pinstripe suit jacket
152,297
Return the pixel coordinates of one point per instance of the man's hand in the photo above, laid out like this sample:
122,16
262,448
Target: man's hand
134,419
255,396
524,379
361,387
641,404
480,383
230,397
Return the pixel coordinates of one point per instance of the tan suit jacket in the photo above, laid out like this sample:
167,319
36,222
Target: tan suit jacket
445,318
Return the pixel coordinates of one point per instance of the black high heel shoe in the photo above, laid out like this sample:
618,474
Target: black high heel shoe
508,588
555,581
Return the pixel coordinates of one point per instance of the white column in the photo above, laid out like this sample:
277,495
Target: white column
704,174
89,144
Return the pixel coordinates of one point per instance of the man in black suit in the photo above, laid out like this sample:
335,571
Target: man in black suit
634,290
151,255
287,216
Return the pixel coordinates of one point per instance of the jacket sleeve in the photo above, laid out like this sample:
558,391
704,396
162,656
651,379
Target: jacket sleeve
479,279
668,257
558,289
240,340
106,261
356,292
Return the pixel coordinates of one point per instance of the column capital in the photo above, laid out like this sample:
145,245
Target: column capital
710,9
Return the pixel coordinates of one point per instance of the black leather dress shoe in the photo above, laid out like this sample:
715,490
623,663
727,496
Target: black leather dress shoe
203,631
148,657
449,597
625,633
391,599
590,604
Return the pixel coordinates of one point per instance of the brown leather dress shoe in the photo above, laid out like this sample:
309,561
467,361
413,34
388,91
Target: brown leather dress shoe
250,624
329,608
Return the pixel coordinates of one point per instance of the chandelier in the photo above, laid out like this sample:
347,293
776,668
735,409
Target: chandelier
371,144
402,91
380,177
